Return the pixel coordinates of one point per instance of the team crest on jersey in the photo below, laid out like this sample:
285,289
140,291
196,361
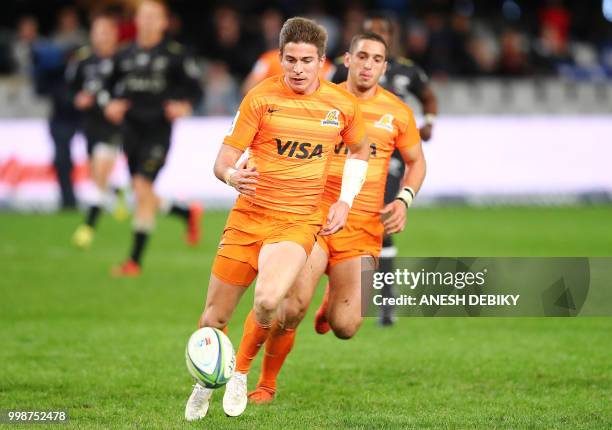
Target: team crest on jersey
385,121
331,118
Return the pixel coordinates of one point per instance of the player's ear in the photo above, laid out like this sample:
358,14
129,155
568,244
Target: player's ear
322,60
384,68
347,59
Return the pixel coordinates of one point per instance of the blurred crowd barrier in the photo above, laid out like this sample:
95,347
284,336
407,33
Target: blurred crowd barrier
473,159
481,96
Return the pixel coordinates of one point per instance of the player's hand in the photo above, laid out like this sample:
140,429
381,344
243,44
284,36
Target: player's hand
244,179
393,217
425,132
336,218
175,109
115,110
83,100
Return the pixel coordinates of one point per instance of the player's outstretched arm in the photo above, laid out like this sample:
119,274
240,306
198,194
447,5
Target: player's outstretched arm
394,214
353,177
240,177
430,110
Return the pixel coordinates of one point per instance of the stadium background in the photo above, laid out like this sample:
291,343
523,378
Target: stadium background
518,166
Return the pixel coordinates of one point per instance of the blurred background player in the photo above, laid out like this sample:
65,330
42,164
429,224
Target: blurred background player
273,226
345,255
403,78
86,75
153,83
50,58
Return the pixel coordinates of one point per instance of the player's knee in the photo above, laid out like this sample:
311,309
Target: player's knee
294,313
345,329
212,319
265,305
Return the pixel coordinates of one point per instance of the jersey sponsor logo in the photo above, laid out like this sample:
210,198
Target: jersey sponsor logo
331,119
160,64
298,150
385,122
234,121
155,84
339,147
142,59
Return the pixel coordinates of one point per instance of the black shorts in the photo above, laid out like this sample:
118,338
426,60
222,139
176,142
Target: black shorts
146,148
393,184
98,130
94,139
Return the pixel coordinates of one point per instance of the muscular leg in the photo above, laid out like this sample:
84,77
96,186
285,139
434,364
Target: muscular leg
344,306
279,265
289,315
296,303
221,301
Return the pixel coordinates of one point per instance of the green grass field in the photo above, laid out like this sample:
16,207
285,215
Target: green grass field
111,351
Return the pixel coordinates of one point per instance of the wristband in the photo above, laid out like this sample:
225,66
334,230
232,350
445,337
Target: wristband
430,118
406,196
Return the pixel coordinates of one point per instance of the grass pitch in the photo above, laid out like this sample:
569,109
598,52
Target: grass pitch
110,352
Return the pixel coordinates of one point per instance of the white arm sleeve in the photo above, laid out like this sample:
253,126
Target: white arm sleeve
353,177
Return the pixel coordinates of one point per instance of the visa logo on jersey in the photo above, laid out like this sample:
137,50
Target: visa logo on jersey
340,147
298,150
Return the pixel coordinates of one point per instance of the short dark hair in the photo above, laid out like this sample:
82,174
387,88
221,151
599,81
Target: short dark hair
303,30
367,35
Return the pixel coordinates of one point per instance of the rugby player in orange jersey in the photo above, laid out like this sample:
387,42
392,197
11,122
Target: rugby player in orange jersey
290,124
390,124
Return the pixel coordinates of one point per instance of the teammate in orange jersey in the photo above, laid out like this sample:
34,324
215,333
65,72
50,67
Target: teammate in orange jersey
390,124
268,65
290,124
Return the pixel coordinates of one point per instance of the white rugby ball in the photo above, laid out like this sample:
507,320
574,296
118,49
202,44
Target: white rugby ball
210,357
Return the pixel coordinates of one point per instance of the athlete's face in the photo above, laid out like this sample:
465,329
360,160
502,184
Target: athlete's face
151,20
104,36
301,65
366,64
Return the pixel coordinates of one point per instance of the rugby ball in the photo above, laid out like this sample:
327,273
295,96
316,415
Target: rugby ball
210,357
